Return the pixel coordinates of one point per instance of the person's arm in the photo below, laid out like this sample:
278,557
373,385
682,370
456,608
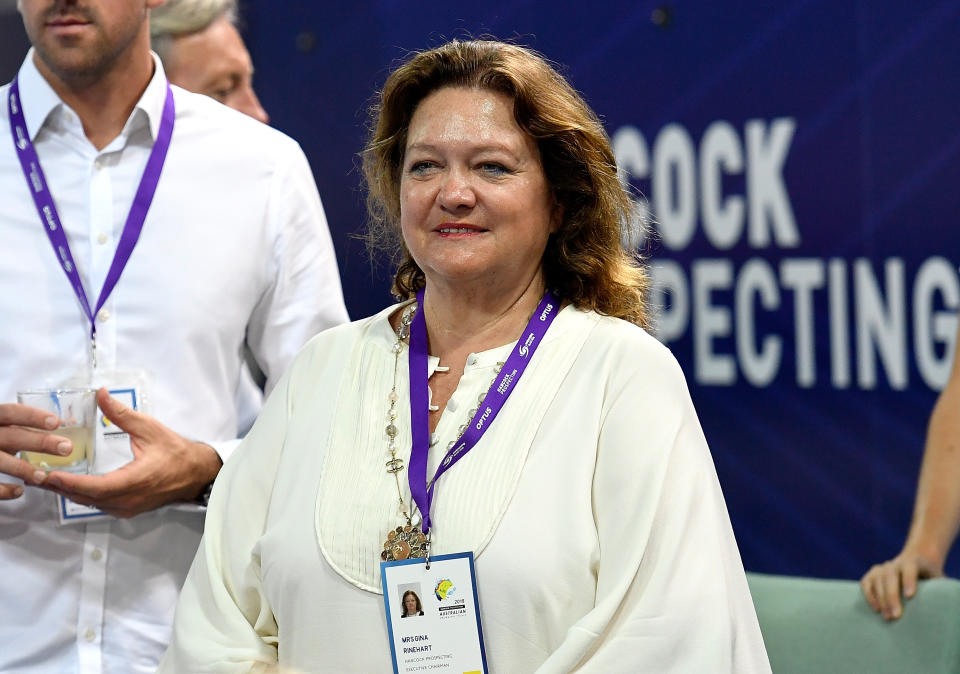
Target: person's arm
936,513
224,622
305,296
671,592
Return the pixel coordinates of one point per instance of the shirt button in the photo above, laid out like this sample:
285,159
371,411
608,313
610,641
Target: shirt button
103,315
96,555
452,405
472,359
90,635
98,163
101,238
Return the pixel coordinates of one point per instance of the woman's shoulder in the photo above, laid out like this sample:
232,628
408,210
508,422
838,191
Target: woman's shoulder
332,347
376,326
628,354
618,335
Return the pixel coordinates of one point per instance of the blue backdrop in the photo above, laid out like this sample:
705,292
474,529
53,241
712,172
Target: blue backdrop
797,156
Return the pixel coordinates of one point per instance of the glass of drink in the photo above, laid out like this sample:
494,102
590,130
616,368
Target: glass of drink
77,410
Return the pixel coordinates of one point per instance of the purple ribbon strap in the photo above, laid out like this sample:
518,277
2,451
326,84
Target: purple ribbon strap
488,410
50,218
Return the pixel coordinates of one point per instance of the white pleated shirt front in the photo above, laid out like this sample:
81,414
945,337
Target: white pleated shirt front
601,537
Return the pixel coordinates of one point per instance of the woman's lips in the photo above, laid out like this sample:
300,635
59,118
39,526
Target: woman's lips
449,229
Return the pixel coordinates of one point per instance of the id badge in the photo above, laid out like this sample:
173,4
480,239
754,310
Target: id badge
112,450
433,617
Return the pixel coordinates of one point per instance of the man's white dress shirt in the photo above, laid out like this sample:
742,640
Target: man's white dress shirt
235,248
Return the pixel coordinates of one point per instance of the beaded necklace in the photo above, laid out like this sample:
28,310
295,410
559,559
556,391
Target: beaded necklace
407,541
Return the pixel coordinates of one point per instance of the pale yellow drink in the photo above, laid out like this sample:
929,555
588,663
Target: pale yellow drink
77,410
81,456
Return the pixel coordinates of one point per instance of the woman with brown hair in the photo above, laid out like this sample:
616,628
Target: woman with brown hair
511,406
411,604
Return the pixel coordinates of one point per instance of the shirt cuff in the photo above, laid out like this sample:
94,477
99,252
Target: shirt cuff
223,447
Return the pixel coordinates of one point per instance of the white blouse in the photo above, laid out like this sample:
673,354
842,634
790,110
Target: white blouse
601,538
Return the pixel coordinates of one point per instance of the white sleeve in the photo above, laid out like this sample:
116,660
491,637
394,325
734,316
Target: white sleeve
672,595
224,622
305,296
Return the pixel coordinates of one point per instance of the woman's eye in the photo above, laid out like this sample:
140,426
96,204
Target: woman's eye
494,169
421,167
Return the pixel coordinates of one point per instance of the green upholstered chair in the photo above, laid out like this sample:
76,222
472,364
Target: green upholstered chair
826,626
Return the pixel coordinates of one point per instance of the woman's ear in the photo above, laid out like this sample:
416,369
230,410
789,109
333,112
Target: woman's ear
556,216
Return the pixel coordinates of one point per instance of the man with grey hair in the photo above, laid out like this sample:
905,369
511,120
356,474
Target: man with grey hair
202,51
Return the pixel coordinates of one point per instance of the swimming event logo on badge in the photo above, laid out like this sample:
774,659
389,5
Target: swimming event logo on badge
450,605
445,589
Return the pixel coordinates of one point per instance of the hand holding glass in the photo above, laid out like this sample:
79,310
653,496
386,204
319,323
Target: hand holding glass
77,410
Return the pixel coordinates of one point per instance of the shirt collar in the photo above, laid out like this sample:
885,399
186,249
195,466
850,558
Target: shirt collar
39,100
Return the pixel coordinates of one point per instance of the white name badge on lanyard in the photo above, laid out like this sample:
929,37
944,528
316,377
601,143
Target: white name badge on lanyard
433,618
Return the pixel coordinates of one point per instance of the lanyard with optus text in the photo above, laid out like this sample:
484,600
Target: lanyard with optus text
50,218
492,403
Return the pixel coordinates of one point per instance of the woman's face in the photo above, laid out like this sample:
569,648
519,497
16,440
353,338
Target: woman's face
474,202
410,604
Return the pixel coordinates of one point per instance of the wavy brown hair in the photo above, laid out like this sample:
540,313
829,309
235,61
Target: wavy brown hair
584,262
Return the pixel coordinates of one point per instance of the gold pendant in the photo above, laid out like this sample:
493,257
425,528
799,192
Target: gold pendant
406,542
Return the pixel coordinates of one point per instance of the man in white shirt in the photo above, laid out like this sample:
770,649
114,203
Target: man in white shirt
202,51
233,249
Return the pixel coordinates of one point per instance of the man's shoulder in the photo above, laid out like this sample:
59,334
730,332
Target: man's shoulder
201,117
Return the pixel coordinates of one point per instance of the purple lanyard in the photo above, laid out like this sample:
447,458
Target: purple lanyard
492,403
50,219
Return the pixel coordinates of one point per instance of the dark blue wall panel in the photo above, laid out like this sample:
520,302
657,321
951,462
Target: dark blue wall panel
818,454
819,473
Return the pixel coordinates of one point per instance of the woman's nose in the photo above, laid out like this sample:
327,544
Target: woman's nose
456,191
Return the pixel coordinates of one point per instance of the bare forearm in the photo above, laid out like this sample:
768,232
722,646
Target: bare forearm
936,513
936,516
